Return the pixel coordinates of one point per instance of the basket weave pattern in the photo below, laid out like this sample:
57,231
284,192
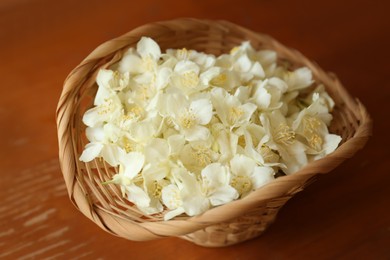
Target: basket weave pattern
232,223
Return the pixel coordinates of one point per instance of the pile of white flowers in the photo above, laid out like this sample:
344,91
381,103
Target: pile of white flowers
188,131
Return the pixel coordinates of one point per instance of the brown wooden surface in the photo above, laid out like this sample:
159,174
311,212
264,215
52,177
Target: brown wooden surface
344,215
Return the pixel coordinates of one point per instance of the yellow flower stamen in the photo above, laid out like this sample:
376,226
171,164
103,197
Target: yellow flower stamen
189,79
311,129
241,183
268,155
188,119
219,80
106,107
201,155
284,134
157,188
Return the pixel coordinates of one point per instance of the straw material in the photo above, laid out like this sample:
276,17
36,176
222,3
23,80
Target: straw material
231,223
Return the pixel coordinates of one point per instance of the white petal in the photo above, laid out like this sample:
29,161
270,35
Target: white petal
154,207
102,94
176,143
215,175
132,163
196,133
242,93
186,66
91,117
242,165
209,74
299,79
257,70
173,213
248,109
163,77
131,63
294,157
227,143
331,143
262,98
174,103
103,78
157,150
110,154
195,205
223,195
267,57
95,134
171,196
261,176
91,151
203,109
145,78
243,63
146,47
280,84
137,195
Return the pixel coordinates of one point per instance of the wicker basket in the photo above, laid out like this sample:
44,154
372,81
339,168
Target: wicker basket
225,225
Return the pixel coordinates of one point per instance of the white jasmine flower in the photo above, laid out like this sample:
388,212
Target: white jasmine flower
190,116
229,109
197,155
186,77
194,197
282,138
112,80
254,138
100,146
130,166
247,176
243,62
311,127
108,108
143,60
268,93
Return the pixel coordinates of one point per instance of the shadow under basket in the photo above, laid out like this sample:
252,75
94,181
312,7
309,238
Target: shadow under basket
225,225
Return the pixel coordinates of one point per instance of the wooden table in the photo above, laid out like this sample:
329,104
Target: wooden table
344,215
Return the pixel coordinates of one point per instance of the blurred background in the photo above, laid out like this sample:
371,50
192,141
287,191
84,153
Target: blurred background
345,214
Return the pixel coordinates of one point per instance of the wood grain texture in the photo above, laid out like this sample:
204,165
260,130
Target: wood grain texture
345,214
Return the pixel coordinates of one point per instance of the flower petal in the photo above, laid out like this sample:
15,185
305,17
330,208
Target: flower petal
262,176
91,151
196,133
146,47
195,205
203,109
132,163
137,195
242,165
215,175
223,195
163,76
173,213
111,153
331,143
171,196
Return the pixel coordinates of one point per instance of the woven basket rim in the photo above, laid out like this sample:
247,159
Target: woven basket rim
282,185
